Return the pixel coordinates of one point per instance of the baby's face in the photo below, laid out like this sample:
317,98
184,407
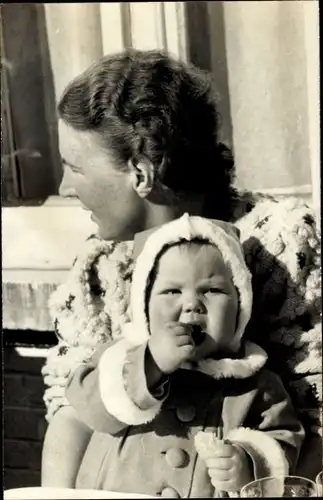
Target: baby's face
194,286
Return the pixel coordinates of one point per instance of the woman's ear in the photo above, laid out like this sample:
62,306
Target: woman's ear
143,176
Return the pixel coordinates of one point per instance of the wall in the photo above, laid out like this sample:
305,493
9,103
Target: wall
24,414
40,245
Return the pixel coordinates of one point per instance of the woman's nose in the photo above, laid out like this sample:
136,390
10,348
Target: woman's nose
66,188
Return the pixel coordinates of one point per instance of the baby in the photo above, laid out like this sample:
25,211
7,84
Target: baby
180,406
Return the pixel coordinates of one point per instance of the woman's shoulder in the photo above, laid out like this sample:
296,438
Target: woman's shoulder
94,247
285,229
94,296
281,241
253,211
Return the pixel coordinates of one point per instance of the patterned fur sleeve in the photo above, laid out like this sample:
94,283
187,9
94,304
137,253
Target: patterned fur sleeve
87,310
282,246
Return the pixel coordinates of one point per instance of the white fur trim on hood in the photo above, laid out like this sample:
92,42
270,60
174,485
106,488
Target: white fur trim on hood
222,235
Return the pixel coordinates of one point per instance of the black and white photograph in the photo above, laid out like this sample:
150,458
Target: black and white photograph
161,250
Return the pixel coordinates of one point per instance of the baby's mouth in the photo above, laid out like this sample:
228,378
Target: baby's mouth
198,334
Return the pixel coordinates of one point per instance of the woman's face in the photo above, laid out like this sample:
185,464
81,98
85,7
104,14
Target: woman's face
93,177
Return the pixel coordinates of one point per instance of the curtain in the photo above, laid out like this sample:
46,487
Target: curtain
273,61
264,58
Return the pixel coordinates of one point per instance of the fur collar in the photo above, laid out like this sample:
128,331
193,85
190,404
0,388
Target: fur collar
254,359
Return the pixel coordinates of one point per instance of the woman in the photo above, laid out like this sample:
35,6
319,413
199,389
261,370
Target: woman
143,150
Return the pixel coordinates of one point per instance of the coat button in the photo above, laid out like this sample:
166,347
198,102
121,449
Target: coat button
176,457
186,413
169,493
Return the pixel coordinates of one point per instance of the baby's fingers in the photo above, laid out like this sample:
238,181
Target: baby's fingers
178,329
219,476
184,340
223,480
223,449
51,381
224,485
220,464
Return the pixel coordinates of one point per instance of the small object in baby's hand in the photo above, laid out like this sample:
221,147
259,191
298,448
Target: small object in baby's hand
219,432
205,443
198,335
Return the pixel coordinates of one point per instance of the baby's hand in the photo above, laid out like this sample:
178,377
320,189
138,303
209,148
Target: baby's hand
227,465
171,347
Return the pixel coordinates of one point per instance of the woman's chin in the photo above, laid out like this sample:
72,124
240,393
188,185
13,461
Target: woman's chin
105,234
101,230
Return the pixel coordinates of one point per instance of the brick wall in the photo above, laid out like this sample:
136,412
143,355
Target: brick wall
24,414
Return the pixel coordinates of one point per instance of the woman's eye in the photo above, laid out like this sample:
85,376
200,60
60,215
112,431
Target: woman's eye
76,170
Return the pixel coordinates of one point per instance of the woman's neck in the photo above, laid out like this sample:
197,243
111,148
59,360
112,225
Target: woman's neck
156,215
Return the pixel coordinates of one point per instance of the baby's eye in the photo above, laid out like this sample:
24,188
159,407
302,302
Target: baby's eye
171,291
214,290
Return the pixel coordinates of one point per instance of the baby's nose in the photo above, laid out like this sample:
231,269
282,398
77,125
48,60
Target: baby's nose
193,305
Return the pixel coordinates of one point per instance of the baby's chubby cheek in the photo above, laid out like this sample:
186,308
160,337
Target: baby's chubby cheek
160,316
221,329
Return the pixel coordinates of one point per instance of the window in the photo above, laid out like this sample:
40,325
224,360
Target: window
30,163
271,95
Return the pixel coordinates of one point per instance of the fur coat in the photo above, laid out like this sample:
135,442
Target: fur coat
154,443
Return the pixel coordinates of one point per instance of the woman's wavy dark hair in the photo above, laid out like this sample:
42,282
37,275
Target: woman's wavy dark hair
146,105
